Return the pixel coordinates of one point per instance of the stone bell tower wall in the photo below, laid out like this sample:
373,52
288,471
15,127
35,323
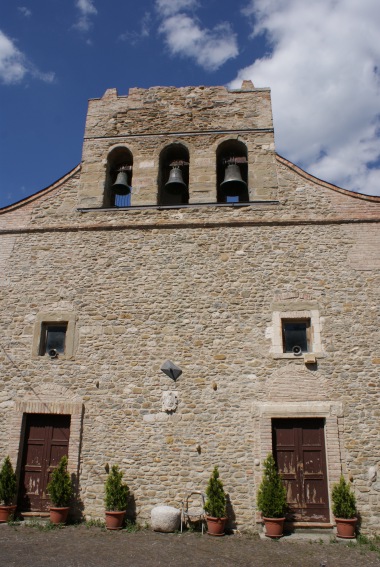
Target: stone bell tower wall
199,118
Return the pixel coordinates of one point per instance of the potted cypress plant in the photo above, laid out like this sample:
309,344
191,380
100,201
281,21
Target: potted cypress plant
8,488
344,509
60,491
116,499
271,499
215,506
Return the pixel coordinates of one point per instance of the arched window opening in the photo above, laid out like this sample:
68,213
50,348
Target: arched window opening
232,172
119,178
173,176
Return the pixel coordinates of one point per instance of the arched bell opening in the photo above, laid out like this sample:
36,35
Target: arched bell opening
118,188
173,176
232,172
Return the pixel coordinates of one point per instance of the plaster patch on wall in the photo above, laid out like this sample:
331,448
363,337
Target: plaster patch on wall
365,250
269,333
146,164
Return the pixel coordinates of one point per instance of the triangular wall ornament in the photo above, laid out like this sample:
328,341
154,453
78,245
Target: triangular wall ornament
171,370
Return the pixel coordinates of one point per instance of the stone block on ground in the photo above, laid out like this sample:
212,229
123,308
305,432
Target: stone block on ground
165,519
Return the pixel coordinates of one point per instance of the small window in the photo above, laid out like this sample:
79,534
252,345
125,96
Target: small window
296,335
53,338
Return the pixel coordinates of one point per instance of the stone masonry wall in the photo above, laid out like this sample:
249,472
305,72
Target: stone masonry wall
200,118
173,287
198,286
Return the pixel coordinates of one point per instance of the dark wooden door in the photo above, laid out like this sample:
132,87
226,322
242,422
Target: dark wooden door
46,442
299,450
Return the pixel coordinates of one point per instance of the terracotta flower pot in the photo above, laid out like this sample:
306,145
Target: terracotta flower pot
274,527
215,526
346,527
5,512
59,515
114,520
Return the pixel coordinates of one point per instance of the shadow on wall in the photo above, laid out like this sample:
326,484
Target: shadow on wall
231,522
77,507
131,510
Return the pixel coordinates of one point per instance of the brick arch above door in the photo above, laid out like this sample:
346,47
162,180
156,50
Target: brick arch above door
297,384
47,399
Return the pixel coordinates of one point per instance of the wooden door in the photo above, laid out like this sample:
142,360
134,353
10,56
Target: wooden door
46,442
299,451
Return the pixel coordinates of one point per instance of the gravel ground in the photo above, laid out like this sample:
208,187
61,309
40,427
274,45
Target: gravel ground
81,546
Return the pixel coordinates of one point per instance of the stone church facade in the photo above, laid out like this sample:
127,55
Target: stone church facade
259,281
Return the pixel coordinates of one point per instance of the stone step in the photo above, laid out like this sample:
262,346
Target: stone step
309,531
35,517
307,528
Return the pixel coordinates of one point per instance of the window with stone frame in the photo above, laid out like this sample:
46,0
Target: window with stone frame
295,332
54,334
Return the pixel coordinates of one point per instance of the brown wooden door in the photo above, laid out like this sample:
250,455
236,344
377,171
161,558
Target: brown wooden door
46,442
299,450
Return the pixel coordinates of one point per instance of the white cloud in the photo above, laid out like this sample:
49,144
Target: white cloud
86,10
14,66
12,61
169,7
25,11
133,36
145,25
86,7
185,37
324,74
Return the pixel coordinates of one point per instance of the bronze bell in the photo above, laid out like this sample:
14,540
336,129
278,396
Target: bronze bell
233,183
121,187
175,183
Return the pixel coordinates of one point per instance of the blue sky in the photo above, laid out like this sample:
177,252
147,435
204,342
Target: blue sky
321,59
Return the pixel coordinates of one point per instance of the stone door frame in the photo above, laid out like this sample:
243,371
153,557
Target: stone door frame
331,412
47,400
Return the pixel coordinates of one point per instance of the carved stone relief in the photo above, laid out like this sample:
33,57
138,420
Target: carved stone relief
169,401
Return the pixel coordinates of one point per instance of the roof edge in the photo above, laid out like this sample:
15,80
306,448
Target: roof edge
326,184
40,193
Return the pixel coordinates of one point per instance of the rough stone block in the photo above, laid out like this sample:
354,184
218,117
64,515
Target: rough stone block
165,519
